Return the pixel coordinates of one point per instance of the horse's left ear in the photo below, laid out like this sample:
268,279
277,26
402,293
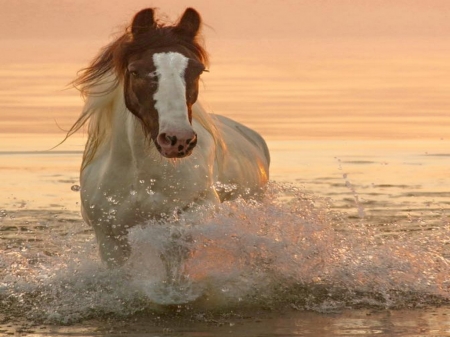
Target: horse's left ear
189,24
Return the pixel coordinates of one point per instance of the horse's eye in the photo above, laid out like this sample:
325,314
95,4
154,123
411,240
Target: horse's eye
134,73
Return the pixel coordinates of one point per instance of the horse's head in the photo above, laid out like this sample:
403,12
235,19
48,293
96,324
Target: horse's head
161,69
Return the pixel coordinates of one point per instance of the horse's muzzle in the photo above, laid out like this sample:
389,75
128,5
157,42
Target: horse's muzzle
176,145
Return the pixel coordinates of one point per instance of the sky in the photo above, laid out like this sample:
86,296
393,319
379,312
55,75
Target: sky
233,18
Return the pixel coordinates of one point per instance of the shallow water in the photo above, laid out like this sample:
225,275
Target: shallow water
358,244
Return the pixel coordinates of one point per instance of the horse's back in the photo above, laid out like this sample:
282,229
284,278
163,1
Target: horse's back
243,161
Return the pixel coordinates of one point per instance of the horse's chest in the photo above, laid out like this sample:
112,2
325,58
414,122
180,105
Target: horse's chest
133,197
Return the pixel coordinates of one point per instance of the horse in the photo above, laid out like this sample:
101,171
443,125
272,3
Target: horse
152,149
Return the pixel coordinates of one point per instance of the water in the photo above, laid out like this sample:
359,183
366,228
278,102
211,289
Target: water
353,242
351,238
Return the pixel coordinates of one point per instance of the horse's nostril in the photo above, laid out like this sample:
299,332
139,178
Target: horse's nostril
165,140
162,139
172,140
193,142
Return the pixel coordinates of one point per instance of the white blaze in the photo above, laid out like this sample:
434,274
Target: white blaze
170,96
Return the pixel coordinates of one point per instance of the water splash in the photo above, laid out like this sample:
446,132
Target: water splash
75,188
288,248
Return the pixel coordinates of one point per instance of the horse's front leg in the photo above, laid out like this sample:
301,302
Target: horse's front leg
111,235
175,252
113,246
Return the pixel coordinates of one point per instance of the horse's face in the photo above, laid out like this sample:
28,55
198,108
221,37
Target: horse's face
160,87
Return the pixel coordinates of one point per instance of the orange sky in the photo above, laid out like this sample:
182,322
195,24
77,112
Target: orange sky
233,18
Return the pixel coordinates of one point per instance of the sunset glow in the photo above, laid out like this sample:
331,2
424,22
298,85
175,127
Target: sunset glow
300,70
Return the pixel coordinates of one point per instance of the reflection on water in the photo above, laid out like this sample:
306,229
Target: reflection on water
388,181
328,89
398,323
297,89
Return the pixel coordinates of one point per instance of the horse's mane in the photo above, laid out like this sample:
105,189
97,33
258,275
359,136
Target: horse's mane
114,57
101,81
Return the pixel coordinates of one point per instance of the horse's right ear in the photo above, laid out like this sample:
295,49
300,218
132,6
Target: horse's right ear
143,21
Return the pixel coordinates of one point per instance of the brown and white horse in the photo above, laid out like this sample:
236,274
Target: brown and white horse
151,148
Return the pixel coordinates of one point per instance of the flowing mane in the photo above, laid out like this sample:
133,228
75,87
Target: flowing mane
113,58
102,81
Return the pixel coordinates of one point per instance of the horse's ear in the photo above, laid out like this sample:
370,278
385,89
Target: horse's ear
189,24
143,21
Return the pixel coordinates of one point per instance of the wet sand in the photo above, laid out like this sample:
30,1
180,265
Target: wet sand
366,322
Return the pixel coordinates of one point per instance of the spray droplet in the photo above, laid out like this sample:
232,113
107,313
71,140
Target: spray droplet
75,188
